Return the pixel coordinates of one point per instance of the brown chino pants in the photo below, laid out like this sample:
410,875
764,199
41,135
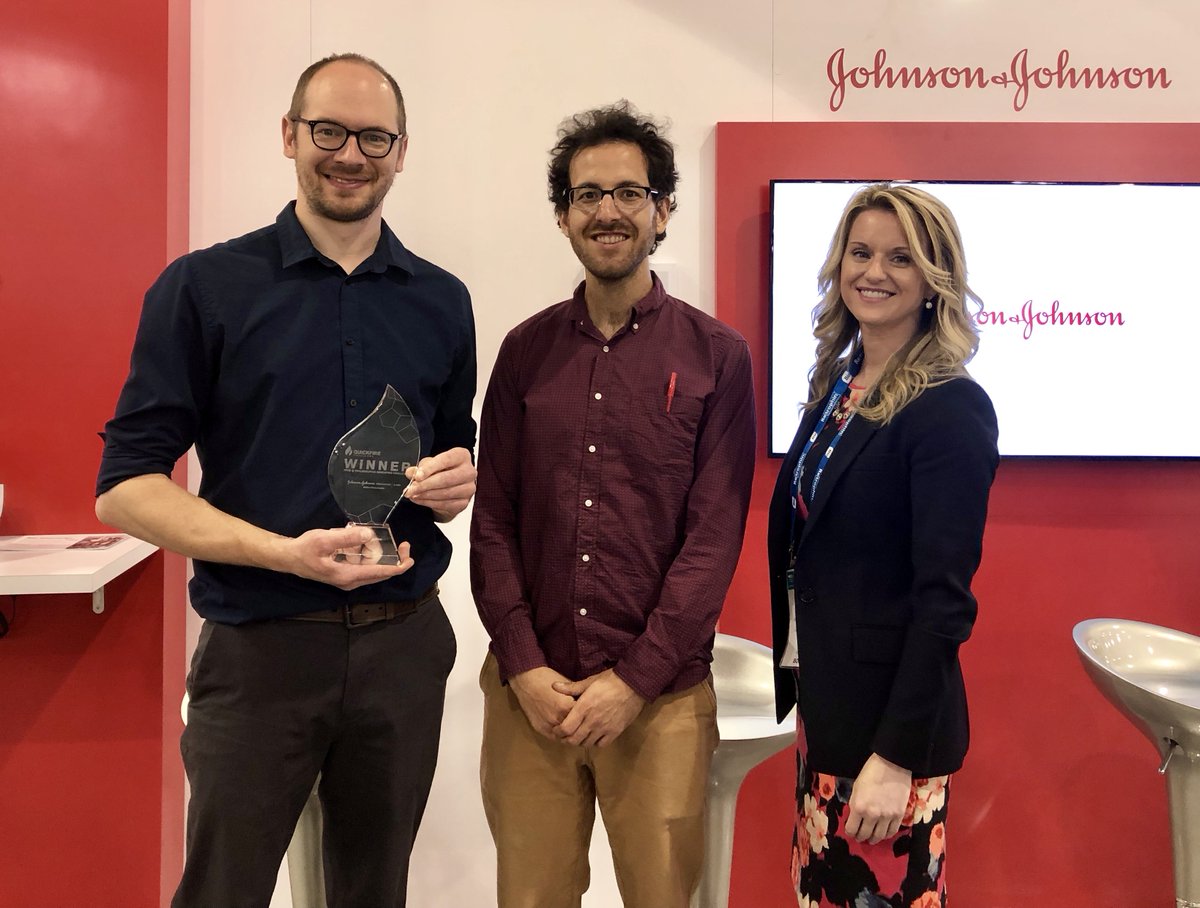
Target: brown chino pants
540,797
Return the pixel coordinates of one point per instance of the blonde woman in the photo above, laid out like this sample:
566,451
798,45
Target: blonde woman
875,532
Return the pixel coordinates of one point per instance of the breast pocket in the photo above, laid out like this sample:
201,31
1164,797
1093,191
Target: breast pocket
663,444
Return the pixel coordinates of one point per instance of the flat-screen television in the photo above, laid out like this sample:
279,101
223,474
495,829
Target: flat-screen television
1090,307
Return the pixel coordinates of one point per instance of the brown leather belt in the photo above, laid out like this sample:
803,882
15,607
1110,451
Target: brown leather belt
364,613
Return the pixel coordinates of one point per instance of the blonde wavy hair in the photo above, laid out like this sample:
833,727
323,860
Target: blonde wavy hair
946,337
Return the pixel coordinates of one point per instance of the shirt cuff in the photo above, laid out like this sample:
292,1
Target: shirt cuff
516,648
647,670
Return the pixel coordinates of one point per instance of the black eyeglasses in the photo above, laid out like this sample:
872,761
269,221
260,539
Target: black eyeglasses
330,136
627,198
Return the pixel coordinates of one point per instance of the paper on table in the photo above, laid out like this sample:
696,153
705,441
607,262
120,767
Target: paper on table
58,543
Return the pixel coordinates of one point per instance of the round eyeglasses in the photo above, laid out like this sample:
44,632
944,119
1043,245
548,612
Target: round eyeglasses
627,198
330,136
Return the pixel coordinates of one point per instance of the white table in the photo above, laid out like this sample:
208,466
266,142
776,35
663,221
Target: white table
34,571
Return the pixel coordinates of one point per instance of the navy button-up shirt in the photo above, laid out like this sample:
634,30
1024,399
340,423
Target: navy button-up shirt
263,353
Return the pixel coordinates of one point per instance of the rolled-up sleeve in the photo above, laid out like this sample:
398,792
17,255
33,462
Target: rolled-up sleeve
158,410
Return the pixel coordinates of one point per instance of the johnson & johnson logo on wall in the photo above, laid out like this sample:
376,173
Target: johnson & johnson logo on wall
1022,77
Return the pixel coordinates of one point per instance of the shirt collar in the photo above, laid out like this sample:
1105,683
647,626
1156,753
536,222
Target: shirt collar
651,302
295,246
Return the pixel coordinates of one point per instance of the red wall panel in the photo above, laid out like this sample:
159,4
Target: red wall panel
1059,803
93,189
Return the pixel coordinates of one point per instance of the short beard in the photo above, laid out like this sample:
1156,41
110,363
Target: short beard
313,186
316,205
609,274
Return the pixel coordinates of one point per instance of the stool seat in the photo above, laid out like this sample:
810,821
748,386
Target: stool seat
1152,675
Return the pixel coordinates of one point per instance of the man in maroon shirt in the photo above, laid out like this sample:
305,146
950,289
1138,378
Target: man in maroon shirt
616,456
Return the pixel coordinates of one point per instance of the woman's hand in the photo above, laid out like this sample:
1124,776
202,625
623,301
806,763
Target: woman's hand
878,800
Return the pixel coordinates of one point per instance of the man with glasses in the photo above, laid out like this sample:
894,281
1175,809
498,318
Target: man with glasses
616,456
263,352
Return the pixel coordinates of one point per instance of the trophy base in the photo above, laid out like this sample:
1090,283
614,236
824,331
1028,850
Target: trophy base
380,550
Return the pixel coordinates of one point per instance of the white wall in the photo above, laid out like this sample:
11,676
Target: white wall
487,83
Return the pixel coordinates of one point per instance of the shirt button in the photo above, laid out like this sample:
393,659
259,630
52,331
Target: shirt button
591,449
587,557
635,326
583,611
349,342
598,395
587,503
353,402
606,348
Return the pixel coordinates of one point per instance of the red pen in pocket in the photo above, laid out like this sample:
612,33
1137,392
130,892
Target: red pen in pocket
671,390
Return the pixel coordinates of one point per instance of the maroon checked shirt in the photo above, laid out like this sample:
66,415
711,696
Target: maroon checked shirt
614,479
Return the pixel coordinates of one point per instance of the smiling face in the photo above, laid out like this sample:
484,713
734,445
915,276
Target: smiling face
880,282
345,185
613,244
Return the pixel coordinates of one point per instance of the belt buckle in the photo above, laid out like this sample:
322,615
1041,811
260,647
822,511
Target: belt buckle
348,618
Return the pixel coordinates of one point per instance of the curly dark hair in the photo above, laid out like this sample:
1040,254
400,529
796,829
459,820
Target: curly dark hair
618,122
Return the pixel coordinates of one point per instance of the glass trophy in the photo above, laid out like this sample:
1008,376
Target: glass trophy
367,474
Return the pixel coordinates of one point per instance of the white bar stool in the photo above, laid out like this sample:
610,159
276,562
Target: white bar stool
745,686
306,865
1152,675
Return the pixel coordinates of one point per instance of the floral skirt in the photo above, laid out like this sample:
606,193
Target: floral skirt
831,869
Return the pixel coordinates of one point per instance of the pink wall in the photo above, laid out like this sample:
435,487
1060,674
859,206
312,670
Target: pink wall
1059,803
93,183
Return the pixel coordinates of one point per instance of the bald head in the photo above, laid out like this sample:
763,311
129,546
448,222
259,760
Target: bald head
370,70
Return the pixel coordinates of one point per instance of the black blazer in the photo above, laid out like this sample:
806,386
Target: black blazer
883,583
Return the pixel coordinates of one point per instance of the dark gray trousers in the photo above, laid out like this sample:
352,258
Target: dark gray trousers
274,703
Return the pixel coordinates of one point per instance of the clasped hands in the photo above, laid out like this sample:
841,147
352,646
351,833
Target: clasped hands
443,483
592,712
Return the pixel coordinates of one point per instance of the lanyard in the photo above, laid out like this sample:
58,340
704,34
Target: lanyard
835,396
791,651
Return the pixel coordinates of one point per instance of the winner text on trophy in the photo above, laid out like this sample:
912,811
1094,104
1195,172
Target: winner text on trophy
367,474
